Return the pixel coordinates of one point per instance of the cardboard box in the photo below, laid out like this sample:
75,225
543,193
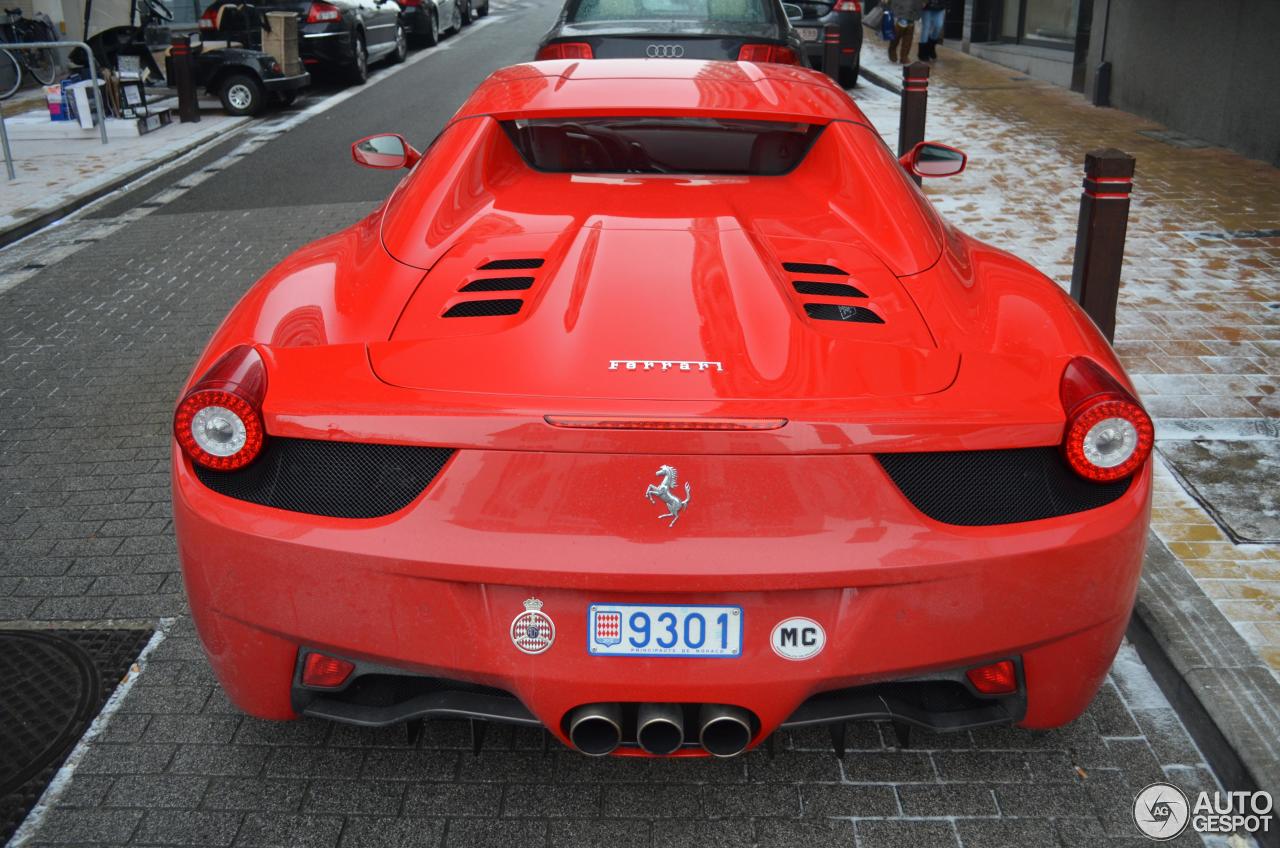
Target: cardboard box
281,41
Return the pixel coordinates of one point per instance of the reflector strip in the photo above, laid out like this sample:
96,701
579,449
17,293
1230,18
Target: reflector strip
595,422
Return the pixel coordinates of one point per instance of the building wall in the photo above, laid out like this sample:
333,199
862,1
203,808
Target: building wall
1209,70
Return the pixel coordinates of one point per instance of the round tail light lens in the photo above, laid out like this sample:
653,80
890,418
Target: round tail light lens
1108,435
218,424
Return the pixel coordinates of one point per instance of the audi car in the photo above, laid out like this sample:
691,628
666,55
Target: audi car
657,407
747,30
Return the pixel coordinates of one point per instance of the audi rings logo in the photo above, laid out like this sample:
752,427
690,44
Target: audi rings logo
664,51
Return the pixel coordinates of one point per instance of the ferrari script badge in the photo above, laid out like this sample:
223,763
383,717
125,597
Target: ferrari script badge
664,490
533,631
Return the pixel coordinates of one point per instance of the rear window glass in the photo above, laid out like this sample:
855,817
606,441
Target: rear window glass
661,145
752,11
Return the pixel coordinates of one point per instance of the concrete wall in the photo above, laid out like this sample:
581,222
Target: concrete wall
1210,70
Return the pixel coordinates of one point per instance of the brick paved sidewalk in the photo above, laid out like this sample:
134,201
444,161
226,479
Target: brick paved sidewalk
1198,326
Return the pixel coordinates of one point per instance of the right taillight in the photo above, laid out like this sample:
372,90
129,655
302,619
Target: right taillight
566,50
218,423
1108,434
323,13
209,20
768,53
848,6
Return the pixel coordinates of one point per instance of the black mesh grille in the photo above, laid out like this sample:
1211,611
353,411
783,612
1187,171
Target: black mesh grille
840,312
498,284
979,488
810,268
481,308
337,479
827,289
511,264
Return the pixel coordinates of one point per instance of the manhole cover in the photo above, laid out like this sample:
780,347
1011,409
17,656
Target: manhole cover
54,684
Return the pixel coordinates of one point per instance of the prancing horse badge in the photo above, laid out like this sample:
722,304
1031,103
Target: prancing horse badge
665,491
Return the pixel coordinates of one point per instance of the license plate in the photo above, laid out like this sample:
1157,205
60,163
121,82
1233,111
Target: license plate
808,33
671,630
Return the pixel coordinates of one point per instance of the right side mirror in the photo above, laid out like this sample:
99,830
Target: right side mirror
931,159
384,151
792,11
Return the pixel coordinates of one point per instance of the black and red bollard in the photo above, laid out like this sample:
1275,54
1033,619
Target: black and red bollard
915,100
831,52
1104,221
182,64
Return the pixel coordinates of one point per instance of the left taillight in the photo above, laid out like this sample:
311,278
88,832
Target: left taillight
1108,435
209,20
218,423
849,6
565,50
768,53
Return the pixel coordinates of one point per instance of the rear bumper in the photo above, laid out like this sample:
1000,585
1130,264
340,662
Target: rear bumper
291,83
327,44
432,589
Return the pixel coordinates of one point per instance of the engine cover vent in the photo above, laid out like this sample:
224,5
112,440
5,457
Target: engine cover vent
827,289
841,312
482,308
511,265
810,268
498,284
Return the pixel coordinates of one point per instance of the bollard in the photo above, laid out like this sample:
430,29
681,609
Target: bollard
1104,219
831,52
184,78
915,98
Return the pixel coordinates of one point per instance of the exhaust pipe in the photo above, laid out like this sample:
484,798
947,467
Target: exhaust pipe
596,729
660,728
724,731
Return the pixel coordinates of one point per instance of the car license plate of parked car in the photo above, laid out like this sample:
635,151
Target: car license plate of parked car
808,33
673,630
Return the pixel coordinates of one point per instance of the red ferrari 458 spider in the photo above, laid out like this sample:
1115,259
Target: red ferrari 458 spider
657,407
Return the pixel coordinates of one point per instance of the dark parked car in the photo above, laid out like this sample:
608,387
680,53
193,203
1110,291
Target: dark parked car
428,20
748,30
840,18
344,33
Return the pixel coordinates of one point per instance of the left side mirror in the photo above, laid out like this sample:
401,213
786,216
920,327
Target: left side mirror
792,11
384,151
931,159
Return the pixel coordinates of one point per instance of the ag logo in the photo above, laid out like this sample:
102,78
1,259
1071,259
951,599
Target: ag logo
798,639
1161,811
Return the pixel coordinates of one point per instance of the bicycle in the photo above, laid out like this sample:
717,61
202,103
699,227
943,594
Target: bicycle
39,63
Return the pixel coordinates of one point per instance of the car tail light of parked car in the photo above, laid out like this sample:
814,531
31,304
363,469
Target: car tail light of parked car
323,13
849,6
1108,433
566,50
768,53
209,20
219,422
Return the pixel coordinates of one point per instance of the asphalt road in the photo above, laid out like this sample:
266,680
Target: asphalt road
311,163
94,343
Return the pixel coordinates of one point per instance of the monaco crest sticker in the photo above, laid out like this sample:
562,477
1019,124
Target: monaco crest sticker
533,631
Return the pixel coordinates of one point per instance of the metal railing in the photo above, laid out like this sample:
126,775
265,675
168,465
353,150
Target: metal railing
93,75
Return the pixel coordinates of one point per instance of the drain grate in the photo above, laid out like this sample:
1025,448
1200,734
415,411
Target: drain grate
55,681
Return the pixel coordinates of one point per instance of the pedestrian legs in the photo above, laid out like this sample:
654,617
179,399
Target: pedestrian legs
900,47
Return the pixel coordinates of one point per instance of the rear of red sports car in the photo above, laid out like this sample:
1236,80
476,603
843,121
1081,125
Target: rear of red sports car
657,407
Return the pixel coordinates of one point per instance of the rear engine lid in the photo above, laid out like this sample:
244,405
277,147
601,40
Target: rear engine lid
708,311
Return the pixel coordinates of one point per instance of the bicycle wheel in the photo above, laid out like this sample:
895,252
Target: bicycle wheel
10,75
42,66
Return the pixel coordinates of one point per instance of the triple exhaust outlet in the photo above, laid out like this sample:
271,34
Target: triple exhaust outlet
723,731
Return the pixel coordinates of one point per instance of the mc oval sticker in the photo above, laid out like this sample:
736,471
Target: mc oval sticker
798,639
